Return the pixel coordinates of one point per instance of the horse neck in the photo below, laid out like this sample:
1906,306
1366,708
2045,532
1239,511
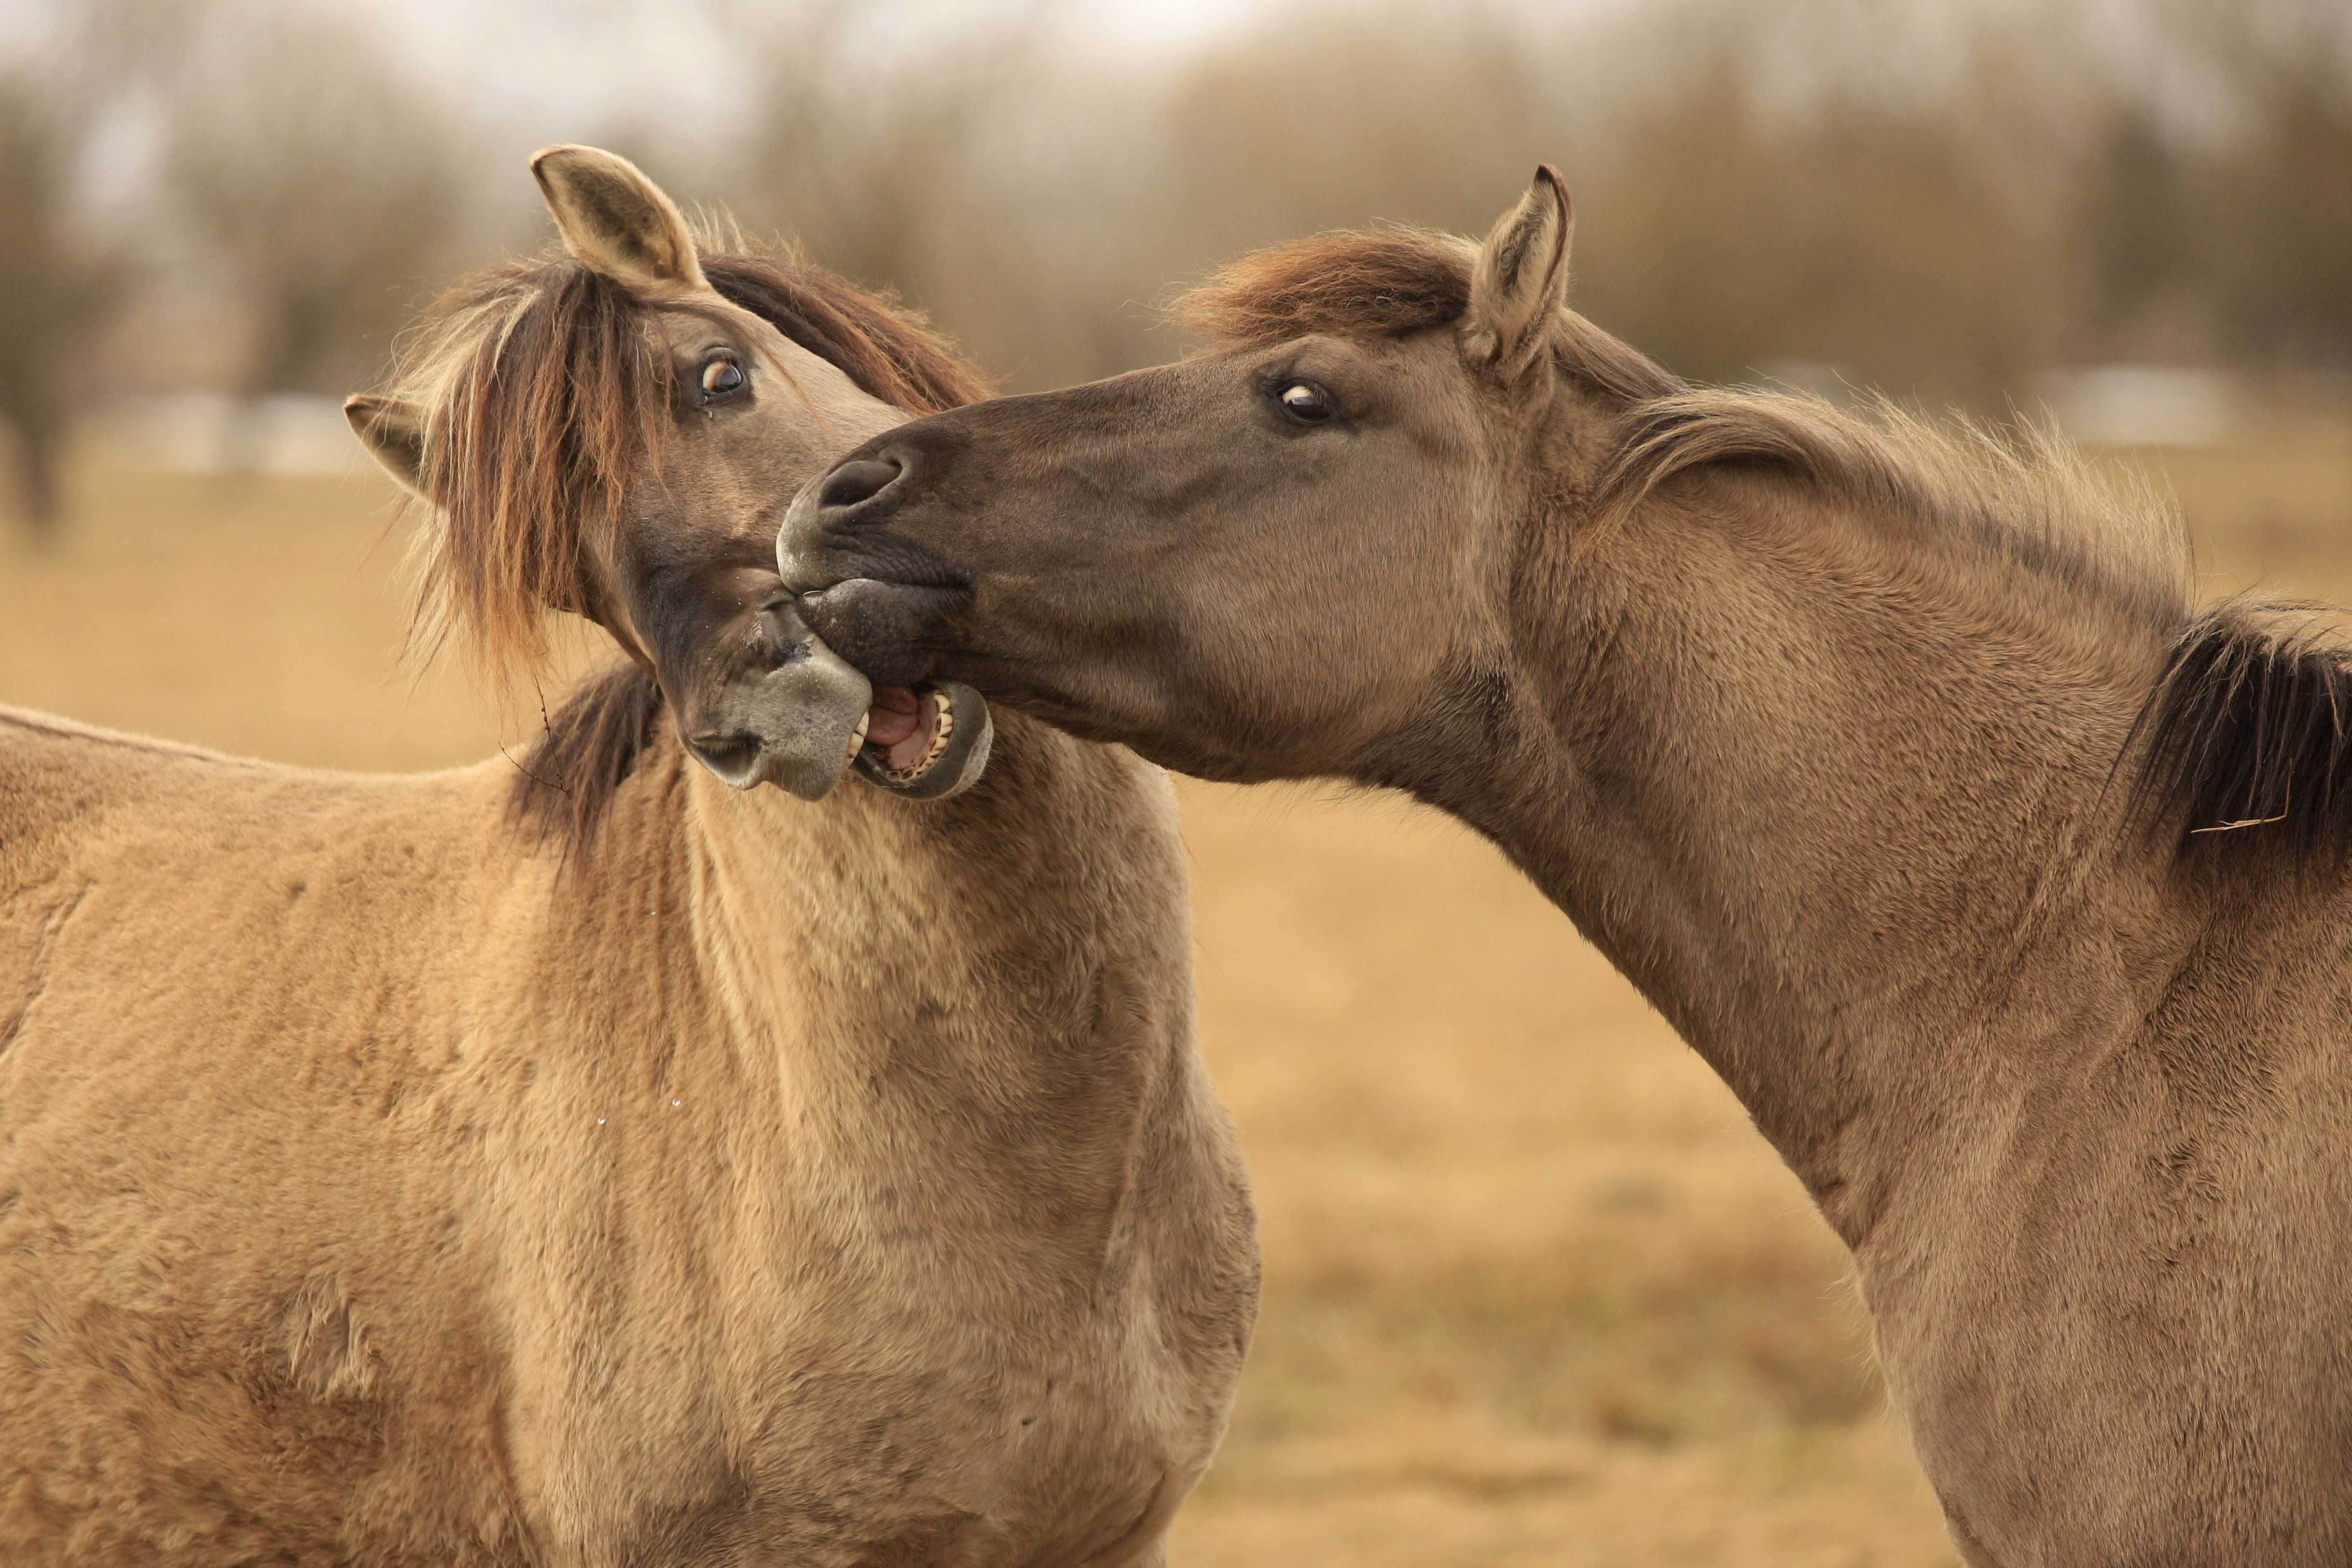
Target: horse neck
1834,791
1002,978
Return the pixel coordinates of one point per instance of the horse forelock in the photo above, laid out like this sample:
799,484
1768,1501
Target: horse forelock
540,391
1390,282
887,350
1381,282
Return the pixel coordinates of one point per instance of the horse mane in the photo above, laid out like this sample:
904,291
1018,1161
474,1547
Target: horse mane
2247,736
1389,282
541,392
2023,491
2249,724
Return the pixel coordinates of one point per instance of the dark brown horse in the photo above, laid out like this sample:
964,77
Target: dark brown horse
1894,765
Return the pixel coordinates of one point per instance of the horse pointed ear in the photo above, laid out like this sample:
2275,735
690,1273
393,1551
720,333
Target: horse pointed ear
393,434
616,220
1521,280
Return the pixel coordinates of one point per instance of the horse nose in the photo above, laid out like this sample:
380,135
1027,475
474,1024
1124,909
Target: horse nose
864,488
832,508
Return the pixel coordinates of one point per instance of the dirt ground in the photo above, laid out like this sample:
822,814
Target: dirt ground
1536,1292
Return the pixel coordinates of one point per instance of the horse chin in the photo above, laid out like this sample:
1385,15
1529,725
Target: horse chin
927,741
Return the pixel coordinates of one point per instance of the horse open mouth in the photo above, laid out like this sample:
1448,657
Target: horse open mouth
927,741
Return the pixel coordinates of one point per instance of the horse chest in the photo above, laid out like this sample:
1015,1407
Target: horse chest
1000,1399
918,1490
1063,1454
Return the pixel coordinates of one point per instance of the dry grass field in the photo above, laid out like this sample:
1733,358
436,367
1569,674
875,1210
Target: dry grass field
1535,1293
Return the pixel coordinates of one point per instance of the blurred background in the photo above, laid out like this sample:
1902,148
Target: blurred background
1535,1293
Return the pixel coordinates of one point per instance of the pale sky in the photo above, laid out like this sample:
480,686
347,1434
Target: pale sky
538,71
553,67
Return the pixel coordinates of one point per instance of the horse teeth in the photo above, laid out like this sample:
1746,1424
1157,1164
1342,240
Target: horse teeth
943,727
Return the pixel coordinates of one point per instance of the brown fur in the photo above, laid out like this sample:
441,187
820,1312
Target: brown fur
1390,282
829,1183
547,394
1890,761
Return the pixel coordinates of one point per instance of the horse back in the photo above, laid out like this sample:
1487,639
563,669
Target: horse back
211,977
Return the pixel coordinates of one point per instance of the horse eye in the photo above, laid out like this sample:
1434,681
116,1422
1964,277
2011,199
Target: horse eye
1307,403
721,376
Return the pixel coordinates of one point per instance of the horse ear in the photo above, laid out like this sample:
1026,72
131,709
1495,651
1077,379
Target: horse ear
393,434
616,220
1521,279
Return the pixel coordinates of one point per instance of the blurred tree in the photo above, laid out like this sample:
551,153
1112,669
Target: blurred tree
1038,197
1944,200
2279,201
856,180
1405,116
58,287
1328,116
1856,233
2131,225
890,163
326,186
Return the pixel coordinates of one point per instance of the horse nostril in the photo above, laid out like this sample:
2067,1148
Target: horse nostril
855,483
734,758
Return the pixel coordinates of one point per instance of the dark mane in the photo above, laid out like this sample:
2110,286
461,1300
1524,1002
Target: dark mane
565,784
2247,736
888,349
541,393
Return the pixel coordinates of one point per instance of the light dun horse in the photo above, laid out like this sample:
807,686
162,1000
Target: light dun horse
1895,767
620,1169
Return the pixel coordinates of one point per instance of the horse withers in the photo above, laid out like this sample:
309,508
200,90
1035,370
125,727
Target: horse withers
1893,763
588,1162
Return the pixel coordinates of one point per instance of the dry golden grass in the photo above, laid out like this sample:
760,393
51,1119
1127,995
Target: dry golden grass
1535,1293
